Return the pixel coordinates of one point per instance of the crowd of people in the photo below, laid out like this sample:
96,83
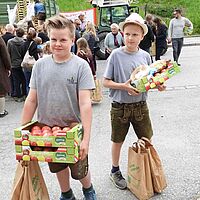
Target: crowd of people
66,58
18,43
35,41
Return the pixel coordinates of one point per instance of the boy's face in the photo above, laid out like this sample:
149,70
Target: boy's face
133,34
60,43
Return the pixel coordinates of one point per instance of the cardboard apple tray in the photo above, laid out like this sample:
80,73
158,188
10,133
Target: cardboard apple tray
159,77
63,148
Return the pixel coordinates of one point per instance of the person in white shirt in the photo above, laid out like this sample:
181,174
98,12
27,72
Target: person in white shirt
176,32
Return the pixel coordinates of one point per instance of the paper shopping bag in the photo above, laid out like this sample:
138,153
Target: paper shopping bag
157,172
153,49
139,174
29,183
18,181
96,95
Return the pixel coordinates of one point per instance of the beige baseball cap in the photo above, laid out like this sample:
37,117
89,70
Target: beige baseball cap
134,18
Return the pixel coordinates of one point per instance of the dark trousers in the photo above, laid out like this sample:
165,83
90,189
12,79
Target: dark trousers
94,60
159,51
19,82
12,85
27,74
177,44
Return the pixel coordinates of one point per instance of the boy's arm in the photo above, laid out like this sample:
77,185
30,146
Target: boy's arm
108,83
86,119
30,106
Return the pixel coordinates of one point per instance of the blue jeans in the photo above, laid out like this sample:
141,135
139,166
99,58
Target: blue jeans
177,44
27,74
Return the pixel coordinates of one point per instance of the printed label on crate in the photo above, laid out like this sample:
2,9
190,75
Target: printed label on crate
47,154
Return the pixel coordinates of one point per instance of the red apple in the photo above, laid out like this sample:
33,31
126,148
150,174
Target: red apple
36,128
46,128
34,158
157,82
48,149
147,87
18,157
18,142
47,144
48,159
55,128
36,132
37,148
166,78
33,143
47,133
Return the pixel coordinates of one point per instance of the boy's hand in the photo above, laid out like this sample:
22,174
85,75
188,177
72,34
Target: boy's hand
84,148
130,89
161,87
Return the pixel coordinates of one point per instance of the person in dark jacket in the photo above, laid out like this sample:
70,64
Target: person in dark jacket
161,37
19,81
9,33
42,33
31,46
146,43
5,67
92,39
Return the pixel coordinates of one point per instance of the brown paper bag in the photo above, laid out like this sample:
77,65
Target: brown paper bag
153,49
157,172
139,174
96,95
29,183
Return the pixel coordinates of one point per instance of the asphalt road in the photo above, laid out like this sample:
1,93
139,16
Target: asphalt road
175,116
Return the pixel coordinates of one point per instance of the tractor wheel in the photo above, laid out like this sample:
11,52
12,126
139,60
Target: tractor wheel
101,53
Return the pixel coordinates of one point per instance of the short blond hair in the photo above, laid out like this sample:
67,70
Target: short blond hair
60,22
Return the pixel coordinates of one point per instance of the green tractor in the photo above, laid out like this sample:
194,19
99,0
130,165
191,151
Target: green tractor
110,11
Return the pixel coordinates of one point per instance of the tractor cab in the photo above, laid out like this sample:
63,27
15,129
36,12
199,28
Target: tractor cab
109,12
113,14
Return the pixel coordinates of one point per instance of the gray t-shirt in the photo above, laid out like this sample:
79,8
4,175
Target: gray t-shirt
119,68
57,86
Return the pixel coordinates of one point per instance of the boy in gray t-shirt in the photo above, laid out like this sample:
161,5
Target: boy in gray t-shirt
60,91
128,105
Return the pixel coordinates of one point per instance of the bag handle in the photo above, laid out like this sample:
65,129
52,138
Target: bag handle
139,146
29,46
24,163
147,141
